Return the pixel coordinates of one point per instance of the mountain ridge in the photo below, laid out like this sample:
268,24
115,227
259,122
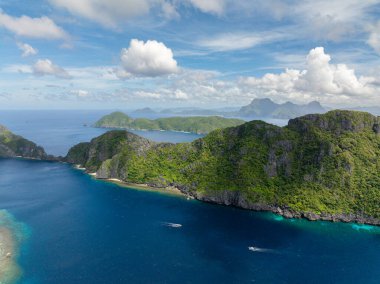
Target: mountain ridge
267,108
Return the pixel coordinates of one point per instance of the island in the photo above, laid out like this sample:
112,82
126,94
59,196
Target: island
12,145
193,124
319,166
267,108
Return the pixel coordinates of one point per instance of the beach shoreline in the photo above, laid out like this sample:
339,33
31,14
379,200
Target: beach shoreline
170,190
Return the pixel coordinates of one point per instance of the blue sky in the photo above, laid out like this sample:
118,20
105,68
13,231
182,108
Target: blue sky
215,53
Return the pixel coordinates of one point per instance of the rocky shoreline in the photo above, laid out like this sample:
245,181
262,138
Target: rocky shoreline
238,200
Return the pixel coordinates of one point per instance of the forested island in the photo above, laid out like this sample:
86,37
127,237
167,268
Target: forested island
12,145
194,124
319,166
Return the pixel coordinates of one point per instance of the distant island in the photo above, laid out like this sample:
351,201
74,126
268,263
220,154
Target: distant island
319,166
258,108
268,108
194,124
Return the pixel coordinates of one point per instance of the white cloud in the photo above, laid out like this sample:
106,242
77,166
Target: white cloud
237,40
169,11
46,67
17,68
80,93
210,6
112,12
149,59
107,13
180,95
374,37
320,79
26,26
27,50
147,95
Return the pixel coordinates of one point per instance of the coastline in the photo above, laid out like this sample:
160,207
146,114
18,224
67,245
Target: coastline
235,199
158,130
146,187
171,190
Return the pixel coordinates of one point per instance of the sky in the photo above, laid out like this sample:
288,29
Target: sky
98,54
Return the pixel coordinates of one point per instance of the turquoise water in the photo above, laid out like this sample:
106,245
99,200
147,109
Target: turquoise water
80,230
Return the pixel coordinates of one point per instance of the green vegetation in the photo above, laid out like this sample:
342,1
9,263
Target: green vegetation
195,124
12,145
322,163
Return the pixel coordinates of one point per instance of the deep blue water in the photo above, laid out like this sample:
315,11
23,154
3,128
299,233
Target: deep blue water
88,231
81,230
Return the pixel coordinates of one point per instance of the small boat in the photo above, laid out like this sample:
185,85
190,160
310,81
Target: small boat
173,225
256,249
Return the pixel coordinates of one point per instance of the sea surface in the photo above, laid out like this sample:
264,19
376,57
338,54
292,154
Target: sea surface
80,230
58,130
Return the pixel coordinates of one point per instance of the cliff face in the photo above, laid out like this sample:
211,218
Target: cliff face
12,145
319,166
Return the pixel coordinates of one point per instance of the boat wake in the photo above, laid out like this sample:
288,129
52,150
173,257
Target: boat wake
172,225
257,249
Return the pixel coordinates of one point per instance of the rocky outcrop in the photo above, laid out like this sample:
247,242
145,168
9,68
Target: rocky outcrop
240,200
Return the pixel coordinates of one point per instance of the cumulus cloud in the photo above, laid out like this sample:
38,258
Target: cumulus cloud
26,26
320,79
46,67
147,59
27,50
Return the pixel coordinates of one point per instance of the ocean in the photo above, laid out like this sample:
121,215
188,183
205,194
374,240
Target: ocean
76,229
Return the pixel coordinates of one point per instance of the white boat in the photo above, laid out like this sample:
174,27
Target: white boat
173,225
